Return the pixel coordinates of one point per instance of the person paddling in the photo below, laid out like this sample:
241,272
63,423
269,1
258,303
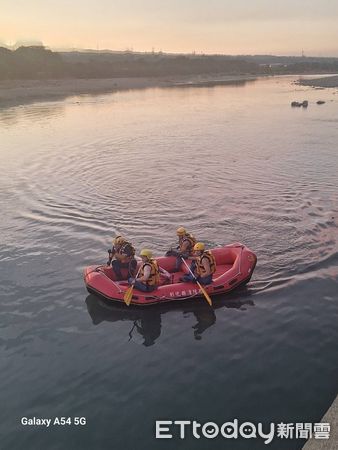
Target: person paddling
122,256
203,266
148,277
186,242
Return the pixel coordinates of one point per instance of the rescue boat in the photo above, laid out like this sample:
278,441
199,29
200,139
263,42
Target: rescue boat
235,264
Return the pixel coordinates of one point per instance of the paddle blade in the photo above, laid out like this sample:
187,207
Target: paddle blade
206,295
128,295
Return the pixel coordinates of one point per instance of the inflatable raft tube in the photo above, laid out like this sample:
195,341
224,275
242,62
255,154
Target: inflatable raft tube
235,266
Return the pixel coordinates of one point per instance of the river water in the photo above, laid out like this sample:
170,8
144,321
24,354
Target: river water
230,163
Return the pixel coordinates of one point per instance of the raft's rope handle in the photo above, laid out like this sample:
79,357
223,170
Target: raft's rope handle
115,284
95,270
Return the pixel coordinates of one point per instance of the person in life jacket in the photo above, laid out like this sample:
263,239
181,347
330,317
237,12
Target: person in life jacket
148,277
203,266
186,242
122,256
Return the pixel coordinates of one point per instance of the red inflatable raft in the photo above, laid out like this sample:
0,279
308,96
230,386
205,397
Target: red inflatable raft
235,265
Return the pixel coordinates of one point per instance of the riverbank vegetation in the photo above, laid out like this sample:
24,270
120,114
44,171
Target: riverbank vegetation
37,62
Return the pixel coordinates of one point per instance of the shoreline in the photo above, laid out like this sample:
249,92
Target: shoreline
324,82
19,92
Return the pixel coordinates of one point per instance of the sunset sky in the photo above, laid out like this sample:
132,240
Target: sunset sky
209,26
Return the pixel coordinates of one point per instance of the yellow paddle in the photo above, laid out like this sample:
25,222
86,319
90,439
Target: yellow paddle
129,292
204,292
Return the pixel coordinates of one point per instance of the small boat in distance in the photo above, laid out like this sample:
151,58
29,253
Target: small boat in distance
235,265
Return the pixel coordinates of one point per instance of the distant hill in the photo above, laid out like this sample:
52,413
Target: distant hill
37,62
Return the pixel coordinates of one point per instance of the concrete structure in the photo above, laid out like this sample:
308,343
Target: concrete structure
330,417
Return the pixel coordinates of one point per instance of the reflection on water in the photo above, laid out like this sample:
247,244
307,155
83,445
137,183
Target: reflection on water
232,164
35,113
148,321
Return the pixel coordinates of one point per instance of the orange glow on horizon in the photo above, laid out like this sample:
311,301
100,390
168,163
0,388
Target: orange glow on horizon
104,26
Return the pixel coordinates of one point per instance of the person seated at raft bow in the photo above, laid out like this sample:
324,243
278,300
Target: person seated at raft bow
122,256
203,266
148,277
186,242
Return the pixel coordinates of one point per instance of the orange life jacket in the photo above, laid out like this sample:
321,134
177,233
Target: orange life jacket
154,277
200,270
190,239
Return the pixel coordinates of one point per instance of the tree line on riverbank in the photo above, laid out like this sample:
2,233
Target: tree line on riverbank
37,62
